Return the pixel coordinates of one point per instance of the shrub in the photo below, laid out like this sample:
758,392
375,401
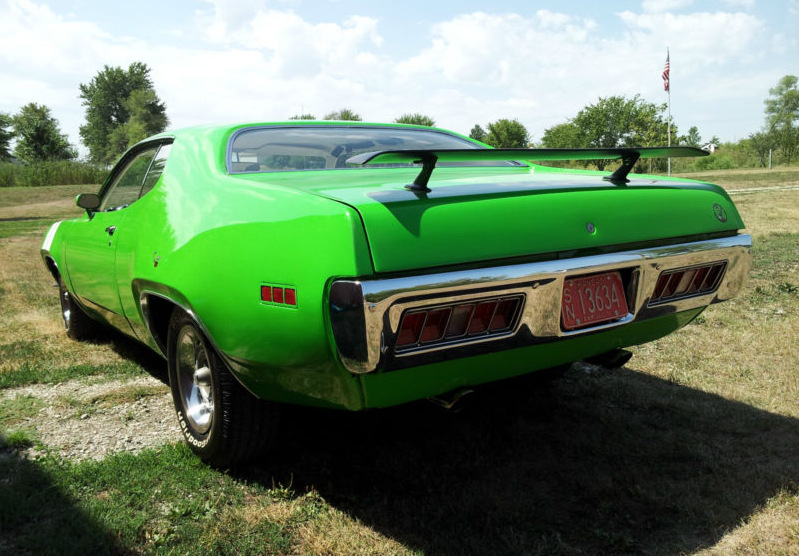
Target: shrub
57,172
714,162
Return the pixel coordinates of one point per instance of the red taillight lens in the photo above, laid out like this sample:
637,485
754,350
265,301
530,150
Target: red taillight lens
453,323
290,296
684,282
410,329
482,317
459,321
503,316
434,326
266,293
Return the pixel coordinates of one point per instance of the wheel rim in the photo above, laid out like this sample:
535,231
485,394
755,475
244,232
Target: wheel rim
66,307
194,379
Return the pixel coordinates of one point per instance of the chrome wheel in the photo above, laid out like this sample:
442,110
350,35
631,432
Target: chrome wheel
66,307
194,377
79,325
221,421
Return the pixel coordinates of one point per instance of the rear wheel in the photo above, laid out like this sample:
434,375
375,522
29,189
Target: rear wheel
222,422
77,323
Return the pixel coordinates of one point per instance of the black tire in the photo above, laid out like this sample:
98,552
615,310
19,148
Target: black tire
78,325
221,421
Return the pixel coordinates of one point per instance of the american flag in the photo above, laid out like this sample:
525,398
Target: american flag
666,73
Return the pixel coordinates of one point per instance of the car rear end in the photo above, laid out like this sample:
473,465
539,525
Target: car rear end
500,274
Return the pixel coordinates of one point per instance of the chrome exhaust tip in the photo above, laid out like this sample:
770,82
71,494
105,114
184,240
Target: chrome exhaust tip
452,401
612,359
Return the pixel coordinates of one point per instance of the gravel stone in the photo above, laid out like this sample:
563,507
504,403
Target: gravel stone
126,427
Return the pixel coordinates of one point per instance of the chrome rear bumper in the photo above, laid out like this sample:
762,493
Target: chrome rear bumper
365,314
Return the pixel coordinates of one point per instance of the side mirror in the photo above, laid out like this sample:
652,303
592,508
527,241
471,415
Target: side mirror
88,201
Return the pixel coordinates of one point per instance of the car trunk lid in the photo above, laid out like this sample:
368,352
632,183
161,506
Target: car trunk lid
472,215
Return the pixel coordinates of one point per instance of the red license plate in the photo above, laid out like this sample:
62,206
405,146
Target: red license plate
594,299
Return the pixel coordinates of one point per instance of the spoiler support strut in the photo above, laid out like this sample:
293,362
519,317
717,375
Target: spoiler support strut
429,158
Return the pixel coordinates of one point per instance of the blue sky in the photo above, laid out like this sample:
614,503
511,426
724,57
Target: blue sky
461,63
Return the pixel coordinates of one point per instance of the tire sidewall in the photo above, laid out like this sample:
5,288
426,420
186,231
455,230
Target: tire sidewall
206,444
79,326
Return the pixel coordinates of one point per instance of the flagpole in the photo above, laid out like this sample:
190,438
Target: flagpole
668,92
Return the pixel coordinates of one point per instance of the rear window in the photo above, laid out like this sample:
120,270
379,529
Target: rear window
275,149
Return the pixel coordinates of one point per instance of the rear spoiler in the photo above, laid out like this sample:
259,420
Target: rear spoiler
428,158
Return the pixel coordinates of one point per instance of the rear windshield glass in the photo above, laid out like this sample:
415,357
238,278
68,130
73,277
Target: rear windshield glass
274,149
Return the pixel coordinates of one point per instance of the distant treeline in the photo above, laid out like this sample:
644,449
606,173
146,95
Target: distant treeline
56,172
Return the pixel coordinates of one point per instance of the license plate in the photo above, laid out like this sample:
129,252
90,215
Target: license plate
594,299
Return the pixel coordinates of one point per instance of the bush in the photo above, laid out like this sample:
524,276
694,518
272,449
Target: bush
7,174
714,162
58,172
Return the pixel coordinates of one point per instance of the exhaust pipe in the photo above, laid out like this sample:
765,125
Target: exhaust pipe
612,359
452,400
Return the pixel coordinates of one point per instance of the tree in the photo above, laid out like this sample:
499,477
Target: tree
416,119
693,139
782,115
146,117
507,134
110,102
613,122
344,115
761,143
562,136
39,136
303,117
6,133
478,133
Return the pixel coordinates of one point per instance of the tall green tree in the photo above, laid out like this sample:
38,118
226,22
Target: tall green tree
562,136
345,115
478,133
39,136
110,103
614,121
6,134
507,134
693,139
761,143
146,118
416,118
782,115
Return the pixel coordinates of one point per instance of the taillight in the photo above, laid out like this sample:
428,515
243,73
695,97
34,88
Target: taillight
455,322
687,282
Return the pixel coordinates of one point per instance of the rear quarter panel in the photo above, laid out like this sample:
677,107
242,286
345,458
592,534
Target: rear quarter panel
209,241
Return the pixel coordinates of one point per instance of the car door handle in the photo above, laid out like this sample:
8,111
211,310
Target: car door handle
110,230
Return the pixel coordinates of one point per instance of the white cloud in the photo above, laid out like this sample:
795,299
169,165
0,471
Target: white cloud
700,39
265,61
661,6
747,4
294,46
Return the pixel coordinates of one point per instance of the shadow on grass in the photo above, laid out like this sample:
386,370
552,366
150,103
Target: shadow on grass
37,517
598,462
133,350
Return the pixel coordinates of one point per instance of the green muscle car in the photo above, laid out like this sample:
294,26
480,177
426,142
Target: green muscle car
355,266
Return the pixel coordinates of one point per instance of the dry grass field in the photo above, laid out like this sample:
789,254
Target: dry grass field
691,448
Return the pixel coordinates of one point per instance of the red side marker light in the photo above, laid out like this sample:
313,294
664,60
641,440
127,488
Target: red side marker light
290,295
277,295
266,293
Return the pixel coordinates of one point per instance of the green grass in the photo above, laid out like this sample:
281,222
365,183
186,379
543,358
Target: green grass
9,228
19,408
756,177
159,501
691,448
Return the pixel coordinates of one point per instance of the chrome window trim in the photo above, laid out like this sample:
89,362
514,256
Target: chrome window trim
381,302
